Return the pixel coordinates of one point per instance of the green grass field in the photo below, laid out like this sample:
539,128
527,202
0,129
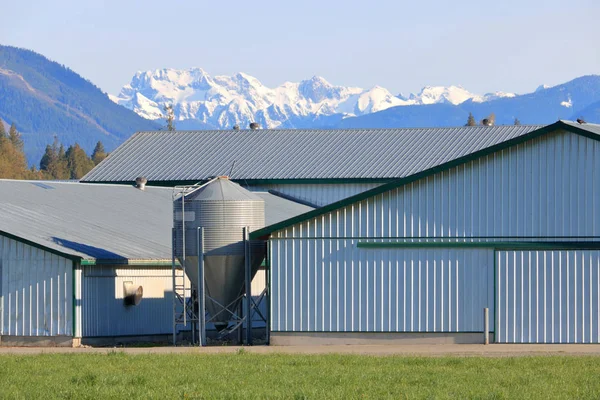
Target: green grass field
244,375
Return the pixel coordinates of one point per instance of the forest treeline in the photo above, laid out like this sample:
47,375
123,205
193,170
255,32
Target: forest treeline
56,163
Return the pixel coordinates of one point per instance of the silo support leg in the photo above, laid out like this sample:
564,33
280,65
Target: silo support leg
201,296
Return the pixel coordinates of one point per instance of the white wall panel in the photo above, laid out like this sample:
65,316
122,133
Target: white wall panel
332,285
35,291
548,186
101,300
548,296
100,310
545,189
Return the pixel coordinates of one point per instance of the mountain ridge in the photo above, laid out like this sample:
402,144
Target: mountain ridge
223,101
46,100
202,101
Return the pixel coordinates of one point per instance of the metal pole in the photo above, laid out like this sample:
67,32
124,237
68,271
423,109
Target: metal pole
201,296
486,326
240,335
248,266
174,281
183,256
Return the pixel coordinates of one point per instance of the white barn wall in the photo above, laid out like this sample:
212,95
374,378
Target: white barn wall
99,301
35,291
548,296
334,286
546,187
319,194
101,311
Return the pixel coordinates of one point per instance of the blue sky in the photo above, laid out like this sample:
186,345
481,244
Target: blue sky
401,45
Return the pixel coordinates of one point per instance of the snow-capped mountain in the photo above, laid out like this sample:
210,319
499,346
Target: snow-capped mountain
200,100
451,95
578,98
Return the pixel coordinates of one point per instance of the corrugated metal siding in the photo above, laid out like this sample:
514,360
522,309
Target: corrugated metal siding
332,286
35,291
548,186
320,194
294,154
548,296
102,309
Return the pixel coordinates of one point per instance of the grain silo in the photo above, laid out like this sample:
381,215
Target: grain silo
211,223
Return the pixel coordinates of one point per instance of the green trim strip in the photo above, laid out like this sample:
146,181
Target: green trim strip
486,245
150,263
448,239
40,246
380,332
557,126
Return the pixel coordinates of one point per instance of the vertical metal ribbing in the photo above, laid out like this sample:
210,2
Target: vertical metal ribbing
268,292
201,296
174,291
248,285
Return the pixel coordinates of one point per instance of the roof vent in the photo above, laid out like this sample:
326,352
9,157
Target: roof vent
236,127
254,125
487,122
140,182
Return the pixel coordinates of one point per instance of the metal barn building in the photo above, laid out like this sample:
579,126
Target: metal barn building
68,251
318,167
513,227
417,232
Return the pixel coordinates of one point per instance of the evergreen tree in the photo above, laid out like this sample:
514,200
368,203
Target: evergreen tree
471,120
78,162
517,122
99,153
48,158
13,164
54,162
15,137
170,117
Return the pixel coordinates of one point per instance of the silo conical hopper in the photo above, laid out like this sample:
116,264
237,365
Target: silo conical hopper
223,209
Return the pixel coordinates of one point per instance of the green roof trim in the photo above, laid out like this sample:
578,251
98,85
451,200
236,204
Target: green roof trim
486,245
28,242
557,126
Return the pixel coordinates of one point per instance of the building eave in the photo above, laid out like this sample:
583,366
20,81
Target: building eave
555,127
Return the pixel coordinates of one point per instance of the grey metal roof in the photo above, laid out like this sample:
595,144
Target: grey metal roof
592,128
294,154
107,222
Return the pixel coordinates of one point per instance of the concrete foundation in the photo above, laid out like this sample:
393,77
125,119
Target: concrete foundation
374,338
36,341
